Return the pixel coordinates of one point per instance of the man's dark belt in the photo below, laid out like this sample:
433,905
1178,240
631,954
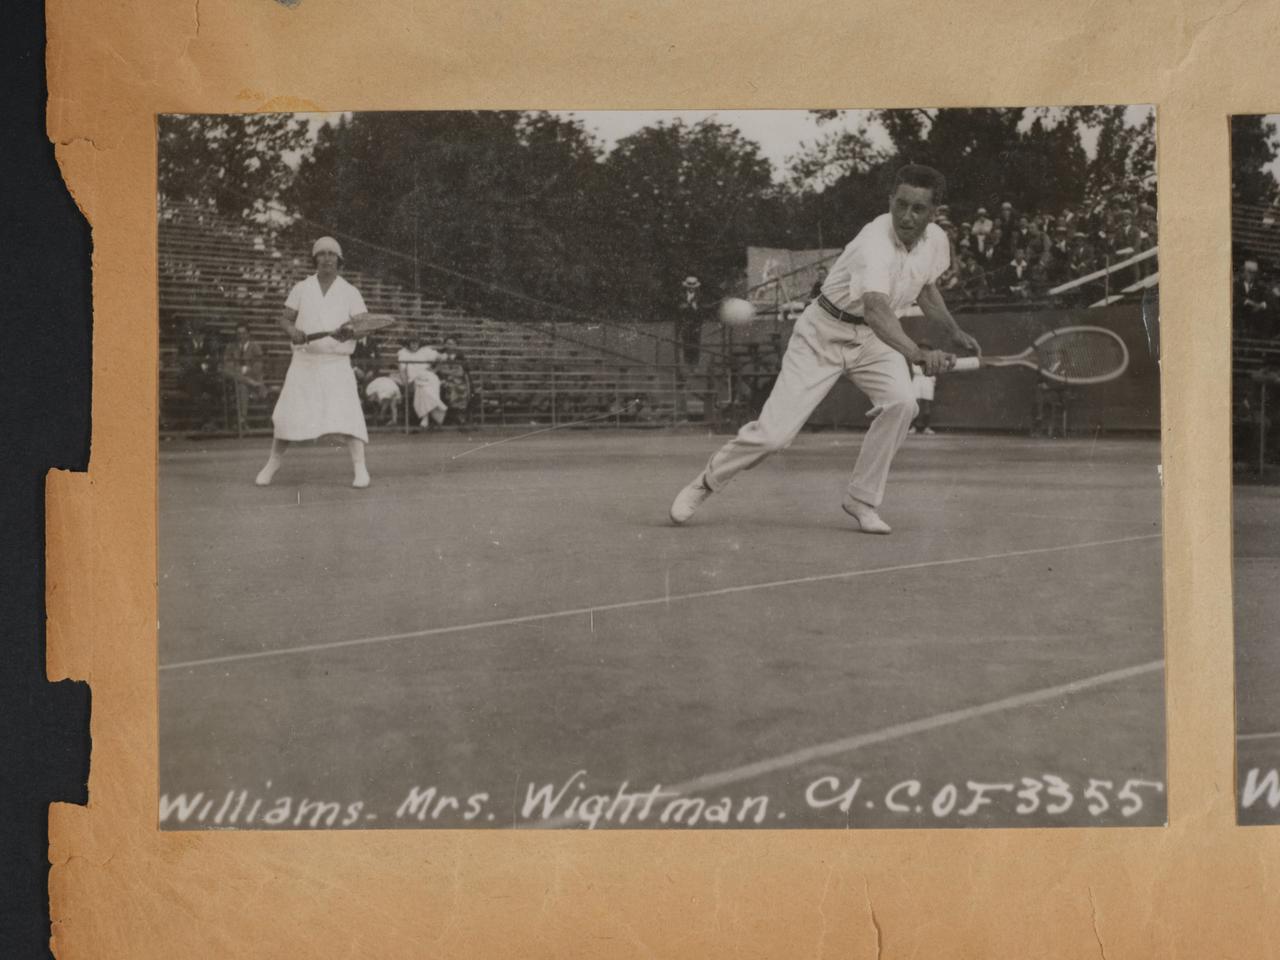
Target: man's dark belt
837,313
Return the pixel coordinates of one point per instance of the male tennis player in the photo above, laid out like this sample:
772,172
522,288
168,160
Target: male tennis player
319,395
852,328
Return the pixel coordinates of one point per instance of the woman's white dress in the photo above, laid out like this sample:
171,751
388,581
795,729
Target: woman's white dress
320,395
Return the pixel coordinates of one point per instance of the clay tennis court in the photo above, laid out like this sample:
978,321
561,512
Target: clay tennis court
1257,610
483,642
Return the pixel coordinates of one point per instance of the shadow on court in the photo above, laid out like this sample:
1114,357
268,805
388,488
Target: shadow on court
519,637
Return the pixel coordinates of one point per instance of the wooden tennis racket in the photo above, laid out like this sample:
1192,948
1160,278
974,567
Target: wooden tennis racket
1070,355
357,328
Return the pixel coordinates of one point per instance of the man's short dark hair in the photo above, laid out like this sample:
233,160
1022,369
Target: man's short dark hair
918,175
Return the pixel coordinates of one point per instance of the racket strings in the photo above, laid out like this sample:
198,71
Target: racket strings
1082,354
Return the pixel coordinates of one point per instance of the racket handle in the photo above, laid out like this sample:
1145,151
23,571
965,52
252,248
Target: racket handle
966,364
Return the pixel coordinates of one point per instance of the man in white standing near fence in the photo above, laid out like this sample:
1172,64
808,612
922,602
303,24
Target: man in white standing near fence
853,329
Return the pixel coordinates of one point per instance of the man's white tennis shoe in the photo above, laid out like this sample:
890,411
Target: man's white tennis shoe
689,499
868,520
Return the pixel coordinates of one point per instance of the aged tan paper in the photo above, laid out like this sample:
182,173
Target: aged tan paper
120,888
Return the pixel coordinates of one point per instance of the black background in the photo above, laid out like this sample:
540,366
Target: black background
44,415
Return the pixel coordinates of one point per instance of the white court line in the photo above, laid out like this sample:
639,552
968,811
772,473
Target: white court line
647,601
896,732
1258,736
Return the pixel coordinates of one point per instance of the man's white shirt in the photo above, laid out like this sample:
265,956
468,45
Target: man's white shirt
877,261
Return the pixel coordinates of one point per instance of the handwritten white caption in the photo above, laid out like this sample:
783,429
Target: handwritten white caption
1048,793
569,803
1259,785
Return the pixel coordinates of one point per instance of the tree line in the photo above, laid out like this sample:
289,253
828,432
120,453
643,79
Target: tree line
532,202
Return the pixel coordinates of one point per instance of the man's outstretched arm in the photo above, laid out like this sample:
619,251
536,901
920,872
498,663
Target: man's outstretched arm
886,325
935,310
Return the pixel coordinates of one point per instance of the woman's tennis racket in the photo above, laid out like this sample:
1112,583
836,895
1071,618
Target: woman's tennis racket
1073,355
357,328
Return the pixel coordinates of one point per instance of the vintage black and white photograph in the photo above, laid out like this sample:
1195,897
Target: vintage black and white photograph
676,469
1255,368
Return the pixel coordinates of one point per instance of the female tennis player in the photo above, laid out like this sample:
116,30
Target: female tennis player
319,396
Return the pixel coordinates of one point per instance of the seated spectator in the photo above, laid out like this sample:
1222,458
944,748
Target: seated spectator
1127,232
989,253
1038,277
1020,235
1007,220
981,223
385,392
1060,249
1250,306
455,380
973,278
417,371
1035,241
1060,243
199,371
1013,278
242,364
1082,259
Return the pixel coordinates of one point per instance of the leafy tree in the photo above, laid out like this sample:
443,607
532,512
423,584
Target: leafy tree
683,200
987,156
498,196
1253,147
238,162
1124,162
833,156
1035,159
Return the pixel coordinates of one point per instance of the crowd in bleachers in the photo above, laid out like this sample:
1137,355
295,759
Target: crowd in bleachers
1002,253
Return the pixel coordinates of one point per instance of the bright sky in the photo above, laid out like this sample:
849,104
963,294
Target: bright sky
780,133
